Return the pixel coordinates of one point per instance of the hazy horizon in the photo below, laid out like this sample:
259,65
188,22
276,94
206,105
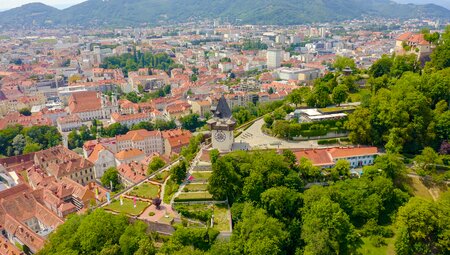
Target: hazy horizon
62,4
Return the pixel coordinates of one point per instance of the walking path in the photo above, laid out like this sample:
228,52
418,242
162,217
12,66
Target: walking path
139,183
189,172
258,140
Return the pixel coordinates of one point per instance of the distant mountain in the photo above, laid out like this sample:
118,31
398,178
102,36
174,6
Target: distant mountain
36,14
443,3
282,12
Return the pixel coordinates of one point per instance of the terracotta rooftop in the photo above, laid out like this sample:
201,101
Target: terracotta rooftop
325,157
138,135
84,102
129,154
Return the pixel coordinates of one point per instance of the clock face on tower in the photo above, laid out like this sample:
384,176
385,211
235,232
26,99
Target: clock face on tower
220,136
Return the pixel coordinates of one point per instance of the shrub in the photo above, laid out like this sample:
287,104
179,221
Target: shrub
198,214
328,141
151,214
377,241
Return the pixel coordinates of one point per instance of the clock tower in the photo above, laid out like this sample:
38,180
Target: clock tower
222,126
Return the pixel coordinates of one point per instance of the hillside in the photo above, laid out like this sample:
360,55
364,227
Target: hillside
444,3
30,14
282,12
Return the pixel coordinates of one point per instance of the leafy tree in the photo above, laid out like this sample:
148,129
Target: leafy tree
281,202
381,67
391,164
296,97
132,97
25,111
269,119
19,144
143,125
258,233
111,175
340,94
198,238
74,140
320,96
378,83
178,172
343,62
445,148
191,122
31,147
290,157
74,78
404,63
214,155
145,247
254,45
360,127
130,239
46,136
327,229
191,150
115,129
428,160
165,125
342,167
417,223
155,165
98,232
440,58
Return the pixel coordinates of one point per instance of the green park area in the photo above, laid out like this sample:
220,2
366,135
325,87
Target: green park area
195,187
193,196
199,175
204,212
145,190
127,207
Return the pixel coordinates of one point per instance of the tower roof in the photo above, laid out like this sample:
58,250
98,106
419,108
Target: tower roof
222,110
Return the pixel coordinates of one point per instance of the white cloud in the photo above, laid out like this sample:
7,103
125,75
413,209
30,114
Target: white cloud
8,4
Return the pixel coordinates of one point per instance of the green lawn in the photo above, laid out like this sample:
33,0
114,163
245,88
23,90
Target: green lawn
201,175
190,196
356,97
145,190
127,207
419,189
369,249
337,109
196,187
161,177
221,220
170,189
